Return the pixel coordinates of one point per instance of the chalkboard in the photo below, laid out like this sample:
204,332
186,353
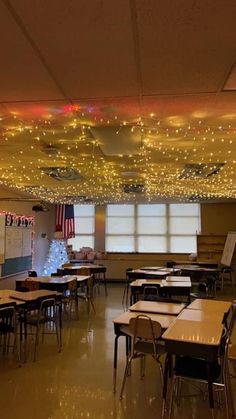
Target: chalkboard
229,249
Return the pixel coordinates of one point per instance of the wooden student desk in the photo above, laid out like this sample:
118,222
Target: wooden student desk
156,273
170,288
88,269
196,332
197,272
121,329
201,316
28,301
55,283
210,305
157,307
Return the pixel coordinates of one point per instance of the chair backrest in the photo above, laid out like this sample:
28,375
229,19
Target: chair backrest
151,292
143,327
170,264
32,274
47,303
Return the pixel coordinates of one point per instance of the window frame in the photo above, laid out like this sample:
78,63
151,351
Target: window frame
167,235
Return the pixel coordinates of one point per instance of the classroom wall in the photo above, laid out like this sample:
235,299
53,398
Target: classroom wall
44,223
218,218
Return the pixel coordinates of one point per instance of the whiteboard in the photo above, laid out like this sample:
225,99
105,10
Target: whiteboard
229,249
27,242
13,248
2,237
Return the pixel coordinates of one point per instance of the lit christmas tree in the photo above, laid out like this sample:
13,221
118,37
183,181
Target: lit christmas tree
57,256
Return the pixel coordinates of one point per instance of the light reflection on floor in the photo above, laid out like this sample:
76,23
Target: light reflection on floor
77,383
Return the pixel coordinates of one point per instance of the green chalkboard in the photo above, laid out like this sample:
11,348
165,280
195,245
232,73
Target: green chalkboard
15,265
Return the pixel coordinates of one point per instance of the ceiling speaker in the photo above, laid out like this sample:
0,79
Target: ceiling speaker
40,208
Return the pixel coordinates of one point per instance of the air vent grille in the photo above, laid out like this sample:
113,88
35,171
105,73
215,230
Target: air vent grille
133,188
62,173
200,170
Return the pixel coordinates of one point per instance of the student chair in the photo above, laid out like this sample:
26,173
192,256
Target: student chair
146,334
45,315
226,273
151,293
32,274
70,297
8,329
197,370
85,293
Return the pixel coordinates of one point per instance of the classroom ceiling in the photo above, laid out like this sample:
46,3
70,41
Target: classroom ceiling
118,101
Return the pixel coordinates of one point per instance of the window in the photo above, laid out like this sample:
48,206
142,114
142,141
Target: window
120,228
152,228
84,226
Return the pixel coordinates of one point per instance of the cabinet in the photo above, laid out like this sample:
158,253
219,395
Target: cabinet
210,246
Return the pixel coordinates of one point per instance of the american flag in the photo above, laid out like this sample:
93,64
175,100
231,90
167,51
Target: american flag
65,221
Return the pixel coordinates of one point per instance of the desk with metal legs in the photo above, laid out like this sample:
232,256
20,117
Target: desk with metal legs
199,339
30,300
121,324
172,287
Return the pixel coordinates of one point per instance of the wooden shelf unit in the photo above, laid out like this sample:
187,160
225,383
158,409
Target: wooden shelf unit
210,246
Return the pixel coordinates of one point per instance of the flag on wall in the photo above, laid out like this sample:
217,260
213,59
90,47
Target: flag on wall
65,221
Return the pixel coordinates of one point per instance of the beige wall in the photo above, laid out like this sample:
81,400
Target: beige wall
218,218
215,219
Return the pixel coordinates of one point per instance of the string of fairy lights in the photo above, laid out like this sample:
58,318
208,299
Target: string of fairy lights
166,146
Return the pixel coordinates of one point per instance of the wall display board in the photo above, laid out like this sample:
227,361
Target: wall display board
228,251
18,243
2,238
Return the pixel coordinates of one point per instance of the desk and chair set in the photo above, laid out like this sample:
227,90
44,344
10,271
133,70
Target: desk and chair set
36,308
193,339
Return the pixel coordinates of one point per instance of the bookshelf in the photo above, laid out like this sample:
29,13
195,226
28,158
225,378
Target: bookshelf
210,246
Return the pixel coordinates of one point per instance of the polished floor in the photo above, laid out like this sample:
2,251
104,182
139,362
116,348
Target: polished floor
77,383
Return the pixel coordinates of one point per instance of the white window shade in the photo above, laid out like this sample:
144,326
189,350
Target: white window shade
124,225
120,210
84,225
183,210
152,210
149,225
120,244
82,241
84,210
152,244
184,225
184,244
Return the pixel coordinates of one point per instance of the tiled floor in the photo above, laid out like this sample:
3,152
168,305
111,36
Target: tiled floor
77,383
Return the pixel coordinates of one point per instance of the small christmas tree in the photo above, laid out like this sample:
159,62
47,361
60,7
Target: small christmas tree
57,256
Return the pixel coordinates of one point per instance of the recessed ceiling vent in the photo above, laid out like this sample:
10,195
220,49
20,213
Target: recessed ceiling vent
200,170
62,173
133,188
50,150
